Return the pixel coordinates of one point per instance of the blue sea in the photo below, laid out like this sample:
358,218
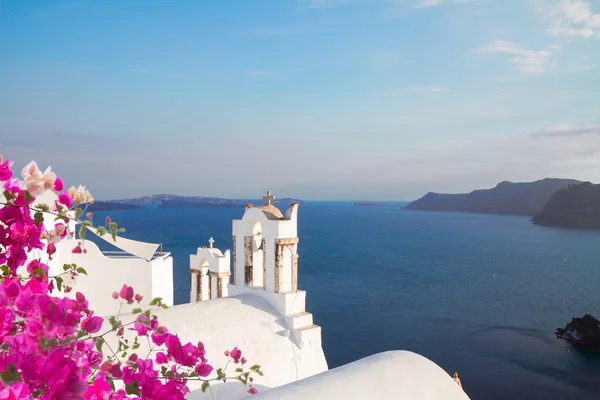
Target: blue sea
477,294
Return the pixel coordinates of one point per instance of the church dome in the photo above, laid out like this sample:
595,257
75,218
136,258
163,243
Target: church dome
271,212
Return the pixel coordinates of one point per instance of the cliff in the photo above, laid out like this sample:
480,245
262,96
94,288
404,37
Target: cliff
523,198
575,207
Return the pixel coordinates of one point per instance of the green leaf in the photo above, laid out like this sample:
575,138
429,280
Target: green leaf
114,236
155,301
78,212
38,218
28,197
99,343
132,388
255,367
164,306
59,282
38,272
112,382
5,270
67,267
87,223
9,195
112,226
81,270
124,354
101,231
10,374
42,207
121,230
204,386
239,370
136,311
81,232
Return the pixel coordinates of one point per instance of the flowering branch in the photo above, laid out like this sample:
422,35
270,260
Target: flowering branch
50,348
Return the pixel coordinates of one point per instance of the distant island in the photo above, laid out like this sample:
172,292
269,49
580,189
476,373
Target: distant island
523,198
175,201
367,203
577,206
110,206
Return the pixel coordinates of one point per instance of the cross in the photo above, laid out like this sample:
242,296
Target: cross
211,241
269,197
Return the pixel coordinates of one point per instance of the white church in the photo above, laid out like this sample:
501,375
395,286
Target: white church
249,297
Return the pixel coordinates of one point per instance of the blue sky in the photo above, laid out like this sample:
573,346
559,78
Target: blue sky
329,99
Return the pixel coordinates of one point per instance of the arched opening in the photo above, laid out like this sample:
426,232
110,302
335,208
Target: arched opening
258,255
286,284
202,281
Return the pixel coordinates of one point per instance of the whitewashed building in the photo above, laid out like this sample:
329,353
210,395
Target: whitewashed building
250,298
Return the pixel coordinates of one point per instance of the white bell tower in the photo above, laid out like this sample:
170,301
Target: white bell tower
265,244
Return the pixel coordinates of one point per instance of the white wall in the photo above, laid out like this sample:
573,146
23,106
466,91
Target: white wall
107,275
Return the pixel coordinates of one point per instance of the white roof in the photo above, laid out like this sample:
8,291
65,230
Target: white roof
250,323
400,375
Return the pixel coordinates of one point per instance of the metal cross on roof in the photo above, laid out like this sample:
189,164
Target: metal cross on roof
269,197
211,241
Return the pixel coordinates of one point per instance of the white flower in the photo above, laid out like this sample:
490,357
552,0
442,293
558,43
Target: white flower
37,182
80,195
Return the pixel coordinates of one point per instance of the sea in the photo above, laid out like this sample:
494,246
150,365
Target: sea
477,294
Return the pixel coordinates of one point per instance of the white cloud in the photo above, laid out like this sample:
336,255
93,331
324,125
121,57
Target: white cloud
528,61
571,18
432,3
567,131
259,72
420,89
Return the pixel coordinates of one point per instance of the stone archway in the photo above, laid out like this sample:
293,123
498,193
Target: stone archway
255,256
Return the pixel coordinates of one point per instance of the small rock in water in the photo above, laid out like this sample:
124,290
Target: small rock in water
582,332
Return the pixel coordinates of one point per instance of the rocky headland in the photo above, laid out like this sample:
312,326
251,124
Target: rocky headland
522,198
582,332
577,206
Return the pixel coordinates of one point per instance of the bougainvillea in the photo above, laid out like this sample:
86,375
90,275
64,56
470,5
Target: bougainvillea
55,347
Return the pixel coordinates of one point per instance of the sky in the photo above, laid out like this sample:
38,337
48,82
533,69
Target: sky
320,100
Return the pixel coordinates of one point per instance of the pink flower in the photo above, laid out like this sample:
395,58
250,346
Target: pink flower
107,220
5,171
51,249
252,391
89,215
65,199
141,325
161,358
91,324
138,297
15,391
235,354
77,249
58,184
126,293
115,295
203,369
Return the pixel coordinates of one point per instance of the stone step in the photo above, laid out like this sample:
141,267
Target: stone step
306,328
310,334
300,320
